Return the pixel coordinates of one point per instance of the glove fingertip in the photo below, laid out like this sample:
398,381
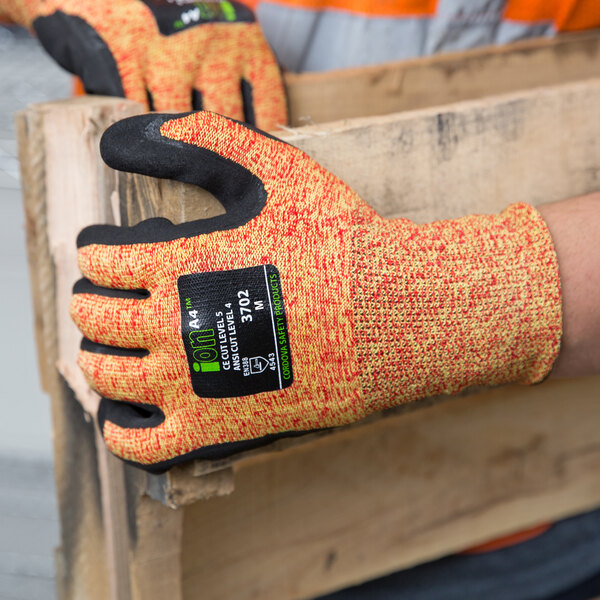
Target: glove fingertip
131,144
121,142
96,234
129,415
249,115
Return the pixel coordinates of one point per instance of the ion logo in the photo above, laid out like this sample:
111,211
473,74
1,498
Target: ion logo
203,344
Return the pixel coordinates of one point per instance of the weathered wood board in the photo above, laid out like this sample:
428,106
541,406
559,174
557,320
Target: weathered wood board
441,79
59,168
532,146
408,488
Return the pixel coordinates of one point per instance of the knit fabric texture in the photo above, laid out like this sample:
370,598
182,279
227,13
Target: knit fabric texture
20,11
451,304
211,59
379,311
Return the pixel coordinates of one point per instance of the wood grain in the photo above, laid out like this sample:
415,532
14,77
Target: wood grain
143,197
441,79
412,487
532,146
60,171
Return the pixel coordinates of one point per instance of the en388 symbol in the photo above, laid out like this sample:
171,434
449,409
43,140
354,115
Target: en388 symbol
203,343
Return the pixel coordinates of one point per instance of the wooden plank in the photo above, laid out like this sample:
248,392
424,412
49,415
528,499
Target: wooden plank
82,564
412,487
66,187
532,146
156,558
33,171
115,519
59,161
441,79
81,559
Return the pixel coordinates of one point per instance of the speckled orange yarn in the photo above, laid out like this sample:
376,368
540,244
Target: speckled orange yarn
379,311
212,58
19,11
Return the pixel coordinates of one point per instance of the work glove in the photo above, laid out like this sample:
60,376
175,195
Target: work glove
298,309
166,55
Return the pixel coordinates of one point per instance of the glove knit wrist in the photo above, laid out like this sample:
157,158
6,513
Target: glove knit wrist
451,304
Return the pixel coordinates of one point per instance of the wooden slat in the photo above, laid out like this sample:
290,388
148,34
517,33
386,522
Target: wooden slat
532,146
58,152
412,487
441,79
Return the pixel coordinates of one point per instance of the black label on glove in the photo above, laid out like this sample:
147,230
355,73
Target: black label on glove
234,331
173,16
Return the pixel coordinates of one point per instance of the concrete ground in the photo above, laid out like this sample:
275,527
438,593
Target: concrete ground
29,529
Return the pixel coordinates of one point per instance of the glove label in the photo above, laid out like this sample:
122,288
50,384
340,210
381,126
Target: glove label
234,331
173,16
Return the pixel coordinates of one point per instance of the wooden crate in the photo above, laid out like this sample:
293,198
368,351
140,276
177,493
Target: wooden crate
318,513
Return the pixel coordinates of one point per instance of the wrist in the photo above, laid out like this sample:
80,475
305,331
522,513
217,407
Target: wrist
573,224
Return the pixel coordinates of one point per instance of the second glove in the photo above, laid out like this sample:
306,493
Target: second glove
166,55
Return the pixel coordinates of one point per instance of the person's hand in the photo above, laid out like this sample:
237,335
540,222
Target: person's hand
298,309
167,55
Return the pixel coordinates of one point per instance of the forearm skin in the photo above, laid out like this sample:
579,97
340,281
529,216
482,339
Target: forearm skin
575,228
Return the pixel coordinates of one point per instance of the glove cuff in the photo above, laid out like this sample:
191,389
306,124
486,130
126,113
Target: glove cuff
452,304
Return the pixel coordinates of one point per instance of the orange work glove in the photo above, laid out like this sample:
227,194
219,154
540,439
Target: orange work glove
298,309
166,55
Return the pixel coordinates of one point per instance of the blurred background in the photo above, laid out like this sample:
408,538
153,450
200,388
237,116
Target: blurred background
29,529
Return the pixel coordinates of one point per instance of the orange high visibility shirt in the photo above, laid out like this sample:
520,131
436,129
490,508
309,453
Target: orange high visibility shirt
567,15
317,35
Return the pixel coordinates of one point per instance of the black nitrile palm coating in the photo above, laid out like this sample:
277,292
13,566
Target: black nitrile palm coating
136,145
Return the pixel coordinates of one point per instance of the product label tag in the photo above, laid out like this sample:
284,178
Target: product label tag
234,331
173,16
